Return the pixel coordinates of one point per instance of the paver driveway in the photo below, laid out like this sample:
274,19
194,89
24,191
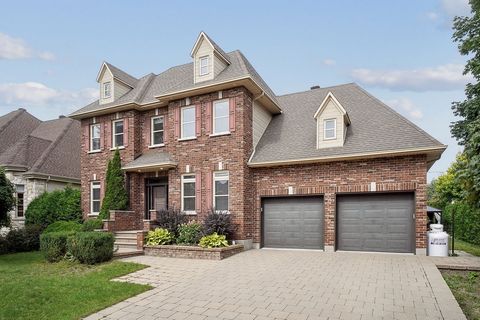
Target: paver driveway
280,284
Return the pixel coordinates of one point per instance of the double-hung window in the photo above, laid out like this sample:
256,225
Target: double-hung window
157,131
95,137
329,129
203,70
118,133
220,190
188,193
188,122
94,197
20,190
107,90
221,120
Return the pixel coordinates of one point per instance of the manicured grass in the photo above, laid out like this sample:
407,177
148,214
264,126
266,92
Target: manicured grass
31,288
467,247
465,286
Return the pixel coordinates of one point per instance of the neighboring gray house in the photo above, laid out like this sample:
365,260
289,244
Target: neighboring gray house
38,156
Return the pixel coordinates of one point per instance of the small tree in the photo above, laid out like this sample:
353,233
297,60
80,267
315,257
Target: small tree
116,197
7,199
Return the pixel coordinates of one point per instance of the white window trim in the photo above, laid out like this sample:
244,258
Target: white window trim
95,185
91,138
115,134
189,180
23,199
215,178
105,96
334,129
153,145
227,116
207,58
182,123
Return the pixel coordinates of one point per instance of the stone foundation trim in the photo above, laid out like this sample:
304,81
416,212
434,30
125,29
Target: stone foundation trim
190,252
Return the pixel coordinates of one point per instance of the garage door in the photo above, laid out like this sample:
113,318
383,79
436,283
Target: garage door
375,222
295,222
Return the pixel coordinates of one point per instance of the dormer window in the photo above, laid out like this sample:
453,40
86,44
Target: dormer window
204,66
107,90
330,129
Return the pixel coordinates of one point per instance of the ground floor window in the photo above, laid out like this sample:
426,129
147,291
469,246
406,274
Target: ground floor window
95,197
220,190
188,193
20,190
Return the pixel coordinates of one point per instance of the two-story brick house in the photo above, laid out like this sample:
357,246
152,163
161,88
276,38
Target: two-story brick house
329,168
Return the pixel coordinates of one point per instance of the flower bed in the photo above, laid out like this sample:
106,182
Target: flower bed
193,252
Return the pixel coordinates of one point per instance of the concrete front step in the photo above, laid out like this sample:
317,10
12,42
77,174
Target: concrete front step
126,239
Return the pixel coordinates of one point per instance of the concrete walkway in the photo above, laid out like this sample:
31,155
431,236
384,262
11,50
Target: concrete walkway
280,284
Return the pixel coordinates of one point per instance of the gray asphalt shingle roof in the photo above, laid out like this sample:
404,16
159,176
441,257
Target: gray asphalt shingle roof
122,75
150,158
374,127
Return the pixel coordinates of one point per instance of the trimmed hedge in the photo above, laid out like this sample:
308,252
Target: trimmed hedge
54,245
21,240
91,247
60,226
92,224
467,226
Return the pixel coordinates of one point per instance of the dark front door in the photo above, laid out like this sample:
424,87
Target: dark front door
156,194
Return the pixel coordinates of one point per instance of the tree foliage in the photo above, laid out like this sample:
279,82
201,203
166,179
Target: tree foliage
467,129
446,188
7,199
116,197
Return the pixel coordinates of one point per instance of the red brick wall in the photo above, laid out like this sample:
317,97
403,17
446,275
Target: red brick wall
328,179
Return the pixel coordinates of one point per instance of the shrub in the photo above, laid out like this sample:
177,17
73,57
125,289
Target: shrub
170,219
91,247
159,236
3,245
220,223
467,227
63,226
7,200
213,241
189,233
116,197
92,224
54,244
49,207
24,239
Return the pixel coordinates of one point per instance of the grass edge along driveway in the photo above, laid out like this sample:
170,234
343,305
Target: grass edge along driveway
32,288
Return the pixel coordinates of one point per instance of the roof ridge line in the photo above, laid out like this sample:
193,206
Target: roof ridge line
321,88
140,95
14,117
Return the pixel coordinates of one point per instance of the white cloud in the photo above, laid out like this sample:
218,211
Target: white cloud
35,94
434,16
329,62
455,7
406,107
16,48
440,78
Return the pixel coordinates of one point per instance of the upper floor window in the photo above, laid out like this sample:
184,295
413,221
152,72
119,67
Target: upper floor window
95,137
107,89
221,118
204,61
220,190
157,131
95,197
118,133
20,190
329,129
188,122
188,193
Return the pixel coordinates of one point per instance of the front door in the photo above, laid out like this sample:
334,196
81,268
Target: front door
156,194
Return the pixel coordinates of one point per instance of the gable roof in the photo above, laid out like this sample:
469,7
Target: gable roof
118,74
215,46
49,148
375,129
337,104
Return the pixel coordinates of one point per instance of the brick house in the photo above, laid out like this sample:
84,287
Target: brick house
329,168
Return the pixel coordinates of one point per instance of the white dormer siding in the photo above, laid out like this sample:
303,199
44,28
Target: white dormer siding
332,112
204,51
117,88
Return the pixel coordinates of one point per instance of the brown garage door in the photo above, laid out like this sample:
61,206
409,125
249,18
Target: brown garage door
375,222
295,222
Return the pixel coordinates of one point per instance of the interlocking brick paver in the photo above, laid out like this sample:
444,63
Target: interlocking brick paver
271,284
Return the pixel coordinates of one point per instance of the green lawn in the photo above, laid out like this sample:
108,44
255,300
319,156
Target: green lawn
31,288
465,286
467,247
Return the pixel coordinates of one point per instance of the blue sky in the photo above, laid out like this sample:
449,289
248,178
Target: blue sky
400,51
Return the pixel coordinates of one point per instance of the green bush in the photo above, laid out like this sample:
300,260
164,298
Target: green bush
116,196
63,226
213,241
91,247
170,219
189,233
92,224
159,236
24,239
54,244
467,226
219,222
60,205
3,245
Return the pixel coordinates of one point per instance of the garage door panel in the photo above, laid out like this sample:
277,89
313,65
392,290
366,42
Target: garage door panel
298,222
375,222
